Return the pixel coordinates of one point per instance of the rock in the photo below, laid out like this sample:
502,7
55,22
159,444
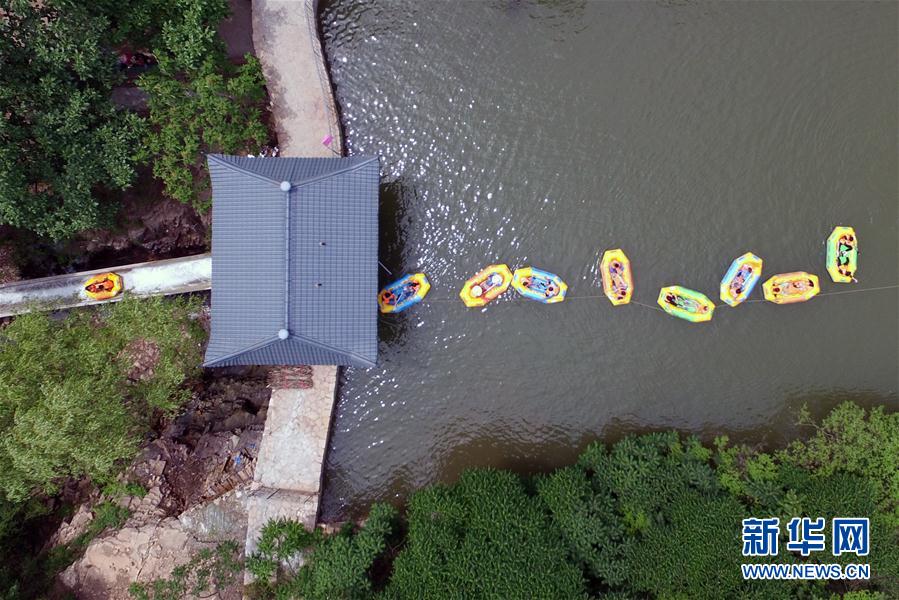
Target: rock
148,552
110,564
73,528
224,518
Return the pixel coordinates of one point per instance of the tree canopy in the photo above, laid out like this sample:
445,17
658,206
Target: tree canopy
60,135
653,516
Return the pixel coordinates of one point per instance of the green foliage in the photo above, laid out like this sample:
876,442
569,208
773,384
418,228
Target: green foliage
216,108
67,404
334,566
653,516
853,440
190,34
483,537
339,567
280,540
199,103
649,516
117,489
207,572
60,137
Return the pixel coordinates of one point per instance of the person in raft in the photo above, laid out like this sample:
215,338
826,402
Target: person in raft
549,290
685,304
488,284
843,250
100,286
616,269
795,288
736,286
409,289
388,298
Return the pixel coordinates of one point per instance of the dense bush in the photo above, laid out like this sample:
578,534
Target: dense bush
484,537
76,394
653,516
335,566
214,107
199,103
60,136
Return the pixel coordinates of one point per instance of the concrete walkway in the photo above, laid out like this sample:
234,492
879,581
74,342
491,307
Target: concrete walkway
285,35
160,277
288,475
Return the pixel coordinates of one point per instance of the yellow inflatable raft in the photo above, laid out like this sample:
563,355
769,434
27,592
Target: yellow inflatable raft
539,285
617,279
487,285
103,286
787,288
842,254
686,304
740,279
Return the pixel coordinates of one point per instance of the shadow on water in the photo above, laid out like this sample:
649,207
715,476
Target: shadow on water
491,447
392,217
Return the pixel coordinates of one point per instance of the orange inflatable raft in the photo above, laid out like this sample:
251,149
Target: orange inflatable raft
103,286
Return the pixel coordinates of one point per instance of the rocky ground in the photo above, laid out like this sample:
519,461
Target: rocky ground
195,474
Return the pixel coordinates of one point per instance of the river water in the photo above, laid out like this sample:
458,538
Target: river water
543,133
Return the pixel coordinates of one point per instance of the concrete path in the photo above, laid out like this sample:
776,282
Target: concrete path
288,477
161,277
285,35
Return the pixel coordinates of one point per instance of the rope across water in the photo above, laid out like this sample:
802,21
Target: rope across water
588,296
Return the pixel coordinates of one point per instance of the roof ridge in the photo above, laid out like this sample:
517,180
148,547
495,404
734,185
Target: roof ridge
232,167
261,344
341,171
328,347
220,159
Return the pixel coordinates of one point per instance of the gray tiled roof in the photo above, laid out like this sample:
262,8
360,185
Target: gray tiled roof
304,260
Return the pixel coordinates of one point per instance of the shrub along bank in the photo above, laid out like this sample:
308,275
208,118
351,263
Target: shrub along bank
653,516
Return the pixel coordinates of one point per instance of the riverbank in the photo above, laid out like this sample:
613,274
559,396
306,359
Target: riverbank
656,515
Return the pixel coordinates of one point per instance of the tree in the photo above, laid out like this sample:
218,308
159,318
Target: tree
483,537
215,108
76,395
335,566
60,136
199,103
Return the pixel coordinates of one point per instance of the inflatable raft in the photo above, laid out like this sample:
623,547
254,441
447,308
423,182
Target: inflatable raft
617,280
539,285
487,285
686,304
842,254
787,288
403,293
103,286
740,279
